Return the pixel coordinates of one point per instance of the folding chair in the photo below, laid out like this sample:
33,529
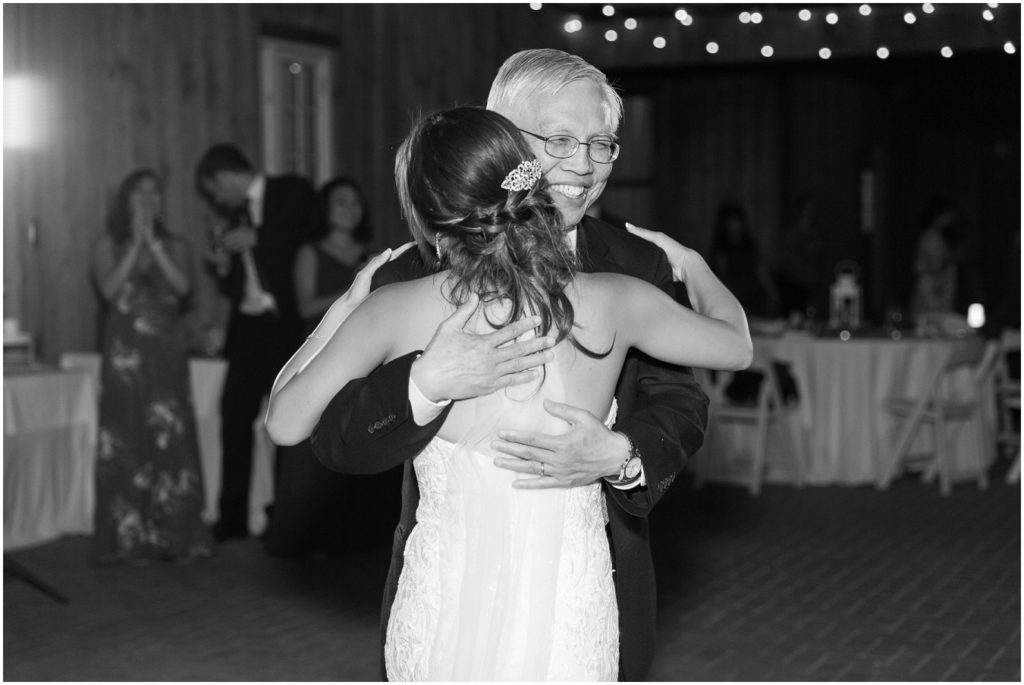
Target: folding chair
766,408
944,405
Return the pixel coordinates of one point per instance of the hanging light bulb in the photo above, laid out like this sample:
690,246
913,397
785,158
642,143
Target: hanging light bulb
755,17
611,35
608,10
744,17
767,50
832,18
681,14
910,17
882,52
658,42
573,25
536,5
824,53
687,20
805,15
864,10
630,24
987,15
712,47
1009,48
946,51
927,8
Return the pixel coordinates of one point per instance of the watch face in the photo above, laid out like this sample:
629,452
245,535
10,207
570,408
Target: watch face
633,468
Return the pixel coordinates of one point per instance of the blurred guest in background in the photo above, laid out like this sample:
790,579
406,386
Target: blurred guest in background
737,261
315,507
942,281
266,219
149,488
325,267
801,288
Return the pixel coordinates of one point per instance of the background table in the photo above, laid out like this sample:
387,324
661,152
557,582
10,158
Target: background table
50,427
49,455
843,386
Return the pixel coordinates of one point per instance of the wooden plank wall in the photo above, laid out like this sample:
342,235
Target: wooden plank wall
153,85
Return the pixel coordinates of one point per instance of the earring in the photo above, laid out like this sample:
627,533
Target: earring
437,246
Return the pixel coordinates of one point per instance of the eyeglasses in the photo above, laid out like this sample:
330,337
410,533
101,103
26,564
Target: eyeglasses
602,150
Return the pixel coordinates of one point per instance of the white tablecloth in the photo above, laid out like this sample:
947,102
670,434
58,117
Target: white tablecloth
49,455
50,425
843,386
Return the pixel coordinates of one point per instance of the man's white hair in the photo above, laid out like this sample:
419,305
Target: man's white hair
546,71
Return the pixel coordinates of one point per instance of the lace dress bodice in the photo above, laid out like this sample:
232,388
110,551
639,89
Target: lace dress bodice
502,583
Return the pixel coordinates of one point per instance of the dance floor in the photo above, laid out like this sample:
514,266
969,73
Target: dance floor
823,583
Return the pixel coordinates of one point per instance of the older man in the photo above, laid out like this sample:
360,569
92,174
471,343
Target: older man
569,114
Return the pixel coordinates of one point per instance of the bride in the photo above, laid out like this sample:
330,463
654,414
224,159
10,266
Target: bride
502,583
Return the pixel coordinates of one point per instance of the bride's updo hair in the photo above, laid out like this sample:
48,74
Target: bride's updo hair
506,246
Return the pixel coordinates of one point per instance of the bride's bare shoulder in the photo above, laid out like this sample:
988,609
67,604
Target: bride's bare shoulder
405,297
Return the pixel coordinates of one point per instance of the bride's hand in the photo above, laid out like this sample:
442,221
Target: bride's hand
679,256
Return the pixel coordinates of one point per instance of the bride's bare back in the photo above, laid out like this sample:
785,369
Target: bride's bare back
589,382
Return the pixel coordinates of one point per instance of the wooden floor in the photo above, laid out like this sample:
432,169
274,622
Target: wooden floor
824,583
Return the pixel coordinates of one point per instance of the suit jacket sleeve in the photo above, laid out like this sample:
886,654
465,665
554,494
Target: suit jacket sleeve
368,427
667,420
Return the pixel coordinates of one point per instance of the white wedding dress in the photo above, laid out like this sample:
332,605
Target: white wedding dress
501,583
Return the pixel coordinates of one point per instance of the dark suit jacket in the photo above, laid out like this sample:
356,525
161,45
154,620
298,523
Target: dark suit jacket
368,427
289,204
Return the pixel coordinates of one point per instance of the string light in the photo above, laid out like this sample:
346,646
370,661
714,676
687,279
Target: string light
987,15
712,47
611,35
946,51
927,8
573,25
864,10
744,17
824,53
687,20
755,17
1009,47
767,50
882,52
608,10
535,6
910,17
630,24
993,5
805,15
681,14
658,42
832,18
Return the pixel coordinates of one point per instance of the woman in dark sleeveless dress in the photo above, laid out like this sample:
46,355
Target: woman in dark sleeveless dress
149,486
313,506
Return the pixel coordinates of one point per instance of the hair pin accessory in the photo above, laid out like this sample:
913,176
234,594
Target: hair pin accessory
523,177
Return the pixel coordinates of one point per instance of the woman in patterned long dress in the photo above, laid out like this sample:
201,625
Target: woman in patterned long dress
500,582
149,487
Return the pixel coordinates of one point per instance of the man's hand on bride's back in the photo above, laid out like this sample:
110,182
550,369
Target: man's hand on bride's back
586,453
458,364
679,256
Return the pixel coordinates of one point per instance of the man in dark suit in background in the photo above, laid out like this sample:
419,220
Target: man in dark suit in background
562,104
267,219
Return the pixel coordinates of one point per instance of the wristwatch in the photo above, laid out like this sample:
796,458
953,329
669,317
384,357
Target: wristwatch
631,468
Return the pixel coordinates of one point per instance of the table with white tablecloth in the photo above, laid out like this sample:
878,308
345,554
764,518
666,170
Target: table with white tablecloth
49,454
842,389
50,427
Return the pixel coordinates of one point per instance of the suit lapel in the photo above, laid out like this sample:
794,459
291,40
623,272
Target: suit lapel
592,249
